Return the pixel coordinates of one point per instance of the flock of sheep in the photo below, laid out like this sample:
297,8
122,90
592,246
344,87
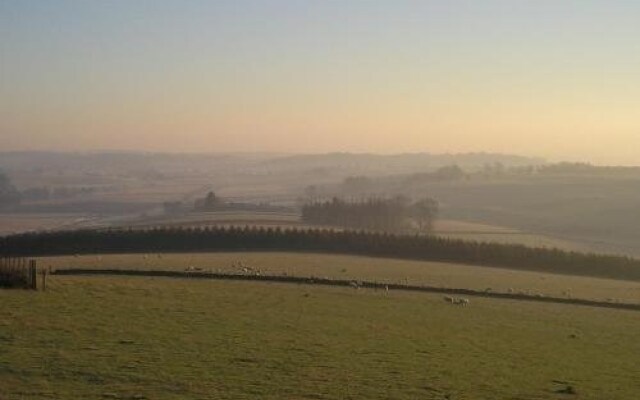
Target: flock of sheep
241,267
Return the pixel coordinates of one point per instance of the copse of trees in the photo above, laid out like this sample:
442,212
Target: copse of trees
396,214
416,247
210,202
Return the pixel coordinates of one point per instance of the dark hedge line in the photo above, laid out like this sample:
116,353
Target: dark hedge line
429,248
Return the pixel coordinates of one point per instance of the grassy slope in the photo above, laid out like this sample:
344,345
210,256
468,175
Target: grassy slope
456,229
595,211
95,338
368,268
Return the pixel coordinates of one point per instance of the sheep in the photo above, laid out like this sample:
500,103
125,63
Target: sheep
354,284
463,301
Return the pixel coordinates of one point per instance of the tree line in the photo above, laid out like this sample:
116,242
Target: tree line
395,214
415,247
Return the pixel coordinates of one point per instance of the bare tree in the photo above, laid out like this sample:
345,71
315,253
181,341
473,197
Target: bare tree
424,213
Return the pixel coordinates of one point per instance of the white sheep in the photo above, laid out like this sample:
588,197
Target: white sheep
463,301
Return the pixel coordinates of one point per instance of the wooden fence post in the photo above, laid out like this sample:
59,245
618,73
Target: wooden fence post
33,274
44,279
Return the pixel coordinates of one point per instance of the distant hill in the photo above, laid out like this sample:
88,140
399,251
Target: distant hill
337,165
362,163
126,161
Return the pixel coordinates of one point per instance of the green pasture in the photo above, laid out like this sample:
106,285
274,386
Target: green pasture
367,268
145,338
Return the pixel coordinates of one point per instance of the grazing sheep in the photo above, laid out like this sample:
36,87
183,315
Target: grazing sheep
461,301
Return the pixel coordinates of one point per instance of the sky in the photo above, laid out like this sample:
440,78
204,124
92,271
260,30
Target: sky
551,78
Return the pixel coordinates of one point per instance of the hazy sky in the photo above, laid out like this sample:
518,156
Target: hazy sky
553,78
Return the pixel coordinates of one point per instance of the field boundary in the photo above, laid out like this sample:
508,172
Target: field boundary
345,283
364,243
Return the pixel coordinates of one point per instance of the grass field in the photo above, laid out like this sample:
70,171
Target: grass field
144,338
236,218
368,268
499,234
18,222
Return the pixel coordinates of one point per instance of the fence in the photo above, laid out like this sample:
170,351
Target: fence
18,273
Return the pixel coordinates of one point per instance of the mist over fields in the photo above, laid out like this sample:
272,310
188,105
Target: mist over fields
285,199
576,206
